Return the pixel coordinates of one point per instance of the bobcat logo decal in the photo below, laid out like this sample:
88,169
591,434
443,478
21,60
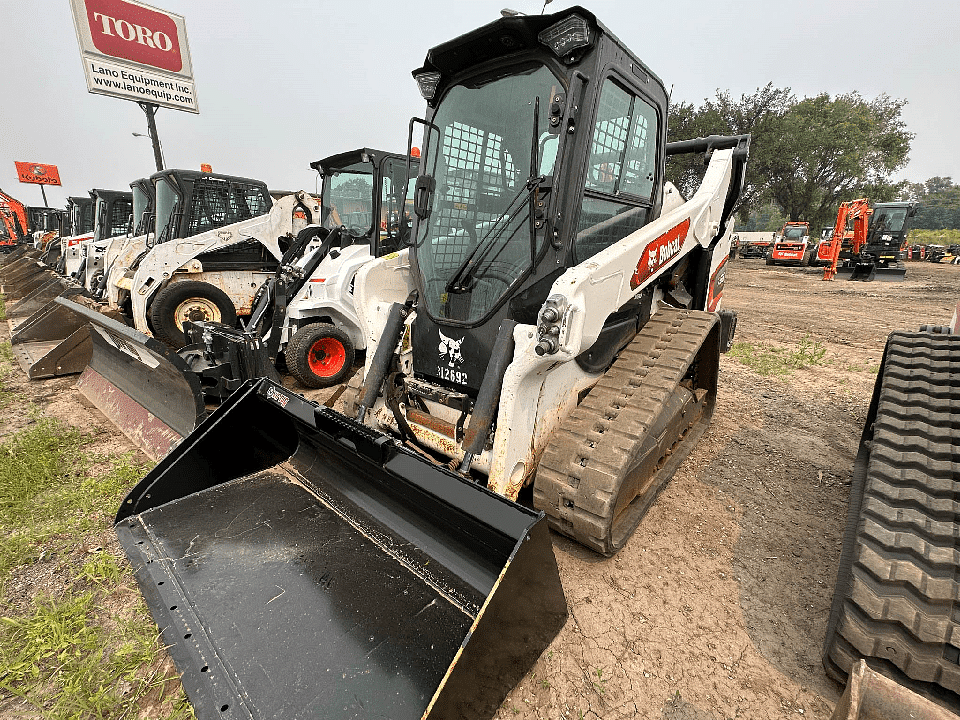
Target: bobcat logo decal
450,350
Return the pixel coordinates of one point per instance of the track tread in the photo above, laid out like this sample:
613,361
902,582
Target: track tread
897,599
580,472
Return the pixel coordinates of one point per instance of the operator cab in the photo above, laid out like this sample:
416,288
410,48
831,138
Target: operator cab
190,202
502,207
365,192
887,232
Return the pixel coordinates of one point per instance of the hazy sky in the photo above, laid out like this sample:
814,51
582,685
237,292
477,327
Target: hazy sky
283,83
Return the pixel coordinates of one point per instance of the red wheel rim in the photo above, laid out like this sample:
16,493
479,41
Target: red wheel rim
326,357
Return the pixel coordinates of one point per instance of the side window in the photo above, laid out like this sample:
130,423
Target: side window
621,170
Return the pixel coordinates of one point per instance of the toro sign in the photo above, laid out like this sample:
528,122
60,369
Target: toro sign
135,52
37,173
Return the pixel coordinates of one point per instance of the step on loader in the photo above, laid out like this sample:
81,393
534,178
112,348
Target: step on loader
45,336
553,325
792,245
81,217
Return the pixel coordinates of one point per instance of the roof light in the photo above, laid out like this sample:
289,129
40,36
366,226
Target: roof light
567,35
428,82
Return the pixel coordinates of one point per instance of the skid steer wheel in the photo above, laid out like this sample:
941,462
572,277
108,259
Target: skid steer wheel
189,300
320,355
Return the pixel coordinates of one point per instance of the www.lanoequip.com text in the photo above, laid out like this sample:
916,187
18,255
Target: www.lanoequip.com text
119,80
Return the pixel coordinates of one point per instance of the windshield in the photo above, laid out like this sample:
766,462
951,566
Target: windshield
480,159
168,201
794,232
82,218
142,208
888,220
348,196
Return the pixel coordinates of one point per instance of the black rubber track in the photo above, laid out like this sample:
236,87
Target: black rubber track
896,597
604,466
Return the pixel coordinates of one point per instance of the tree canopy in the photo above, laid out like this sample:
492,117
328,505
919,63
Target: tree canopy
807,156
939,199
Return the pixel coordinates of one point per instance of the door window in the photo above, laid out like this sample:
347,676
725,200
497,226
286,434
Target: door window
621,171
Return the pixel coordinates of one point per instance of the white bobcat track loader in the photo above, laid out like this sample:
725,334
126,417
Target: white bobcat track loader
553,323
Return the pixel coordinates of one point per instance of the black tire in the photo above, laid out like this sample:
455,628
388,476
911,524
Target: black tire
188,300
769,260
897,581
320,355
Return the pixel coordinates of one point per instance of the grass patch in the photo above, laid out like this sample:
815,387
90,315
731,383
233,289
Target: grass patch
775,360
85,646
3,309
934,237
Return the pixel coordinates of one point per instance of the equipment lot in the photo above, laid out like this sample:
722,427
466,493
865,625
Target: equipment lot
716,608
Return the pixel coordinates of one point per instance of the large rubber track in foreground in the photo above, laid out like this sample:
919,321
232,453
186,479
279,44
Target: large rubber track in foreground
604,466
896,598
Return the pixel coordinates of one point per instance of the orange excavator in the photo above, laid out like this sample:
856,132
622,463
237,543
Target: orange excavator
13,216
858,212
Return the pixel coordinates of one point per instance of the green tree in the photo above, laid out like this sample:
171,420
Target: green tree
760,113
807,156
939,199
834,150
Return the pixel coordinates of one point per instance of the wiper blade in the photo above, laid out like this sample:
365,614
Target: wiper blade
459,282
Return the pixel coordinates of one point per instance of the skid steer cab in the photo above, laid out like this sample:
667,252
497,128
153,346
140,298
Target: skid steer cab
553,324
217,239
123,249
80,210
112,212
305,313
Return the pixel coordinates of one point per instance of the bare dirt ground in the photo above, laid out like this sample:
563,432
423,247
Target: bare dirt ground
717,606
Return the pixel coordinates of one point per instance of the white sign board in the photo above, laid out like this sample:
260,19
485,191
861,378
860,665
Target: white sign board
135,52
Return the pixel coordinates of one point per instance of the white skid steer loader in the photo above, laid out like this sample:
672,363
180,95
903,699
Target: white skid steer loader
218,238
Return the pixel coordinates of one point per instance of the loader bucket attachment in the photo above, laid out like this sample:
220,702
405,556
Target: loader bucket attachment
55,340
29,304
868,271
21,269
872,696
20,251
28,279
141,385
300,564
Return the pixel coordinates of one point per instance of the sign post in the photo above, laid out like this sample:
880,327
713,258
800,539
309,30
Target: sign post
134,51
38,174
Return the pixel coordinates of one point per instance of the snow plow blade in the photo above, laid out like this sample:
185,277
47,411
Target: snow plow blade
142,386
300,564
872,696
54,341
